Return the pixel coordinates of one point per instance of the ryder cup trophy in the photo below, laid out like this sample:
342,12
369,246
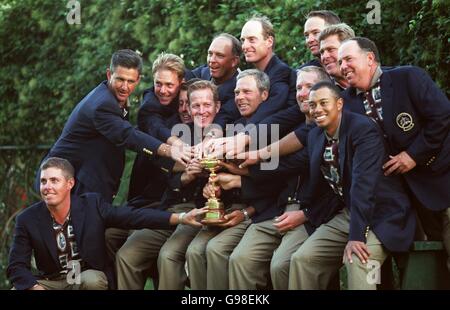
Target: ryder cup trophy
215,206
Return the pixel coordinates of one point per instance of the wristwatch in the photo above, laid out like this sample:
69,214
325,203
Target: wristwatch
246,216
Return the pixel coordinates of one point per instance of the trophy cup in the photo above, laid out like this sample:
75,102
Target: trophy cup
215,206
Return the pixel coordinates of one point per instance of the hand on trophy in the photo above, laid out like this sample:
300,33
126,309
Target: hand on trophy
226,180
232,219
193,169
229,146
210,190
191,218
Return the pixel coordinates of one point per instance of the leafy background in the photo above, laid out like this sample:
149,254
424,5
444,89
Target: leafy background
47,65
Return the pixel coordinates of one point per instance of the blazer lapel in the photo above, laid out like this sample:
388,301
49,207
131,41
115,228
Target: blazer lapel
317,154
387,104
46,229
77,215
342,142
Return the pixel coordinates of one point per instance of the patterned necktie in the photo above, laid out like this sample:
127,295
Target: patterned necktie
372,104
330,166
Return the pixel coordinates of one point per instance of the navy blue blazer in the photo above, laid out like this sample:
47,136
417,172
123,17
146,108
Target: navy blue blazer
376,202
90,217
152,115
281,107
149,175
313,62
94,140
282,90
410,93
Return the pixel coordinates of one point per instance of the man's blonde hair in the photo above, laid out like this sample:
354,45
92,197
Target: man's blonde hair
171,62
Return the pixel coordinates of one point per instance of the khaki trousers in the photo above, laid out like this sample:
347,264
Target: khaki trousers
318,260
141,250
116,237
207,256
262,250
90,280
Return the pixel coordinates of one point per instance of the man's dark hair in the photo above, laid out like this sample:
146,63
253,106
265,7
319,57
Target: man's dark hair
126,58
236,45
185,85
331,86
329,17
367,45
60,163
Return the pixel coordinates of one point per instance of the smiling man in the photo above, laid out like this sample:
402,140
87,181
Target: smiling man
160,102
166,248
207,255
221,68
258,44
316,21
345,152
97,133
251,90
330,40
414,117
65,233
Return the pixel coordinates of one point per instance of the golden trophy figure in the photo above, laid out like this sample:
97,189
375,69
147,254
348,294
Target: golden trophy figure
215,206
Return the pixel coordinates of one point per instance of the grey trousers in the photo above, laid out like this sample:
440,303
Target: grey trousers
318,260
207,256
90,280
262,250
141,250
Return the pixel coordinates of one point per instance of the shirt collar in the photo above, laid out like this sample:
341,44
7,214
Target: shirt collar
125,107
336,134
376,76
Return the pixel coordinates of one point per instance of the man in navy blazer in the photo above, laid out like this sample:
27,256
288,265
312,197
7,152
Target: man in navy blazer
160,101
345,151
66,234
316,22
221,68
414,115
258,41
97,132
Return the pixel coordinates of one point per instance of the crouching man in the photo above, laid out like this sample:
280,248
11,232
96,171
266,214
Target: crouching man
66,234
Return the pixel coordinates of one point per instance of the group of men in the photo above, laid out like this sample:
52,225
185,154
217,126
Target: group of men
363,170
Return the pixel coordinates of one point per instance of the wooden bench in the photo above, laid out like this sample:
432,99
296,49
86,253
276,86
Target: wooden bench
424,268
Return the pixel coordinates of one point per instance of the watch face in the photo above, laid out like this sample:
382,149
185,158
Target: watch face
245,214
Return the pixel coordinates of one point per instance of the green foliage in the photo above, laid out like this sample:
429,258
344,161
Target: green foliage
47,65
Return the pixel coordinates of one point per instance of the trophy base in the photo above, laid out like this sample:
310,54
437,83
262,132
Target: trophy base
212,222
